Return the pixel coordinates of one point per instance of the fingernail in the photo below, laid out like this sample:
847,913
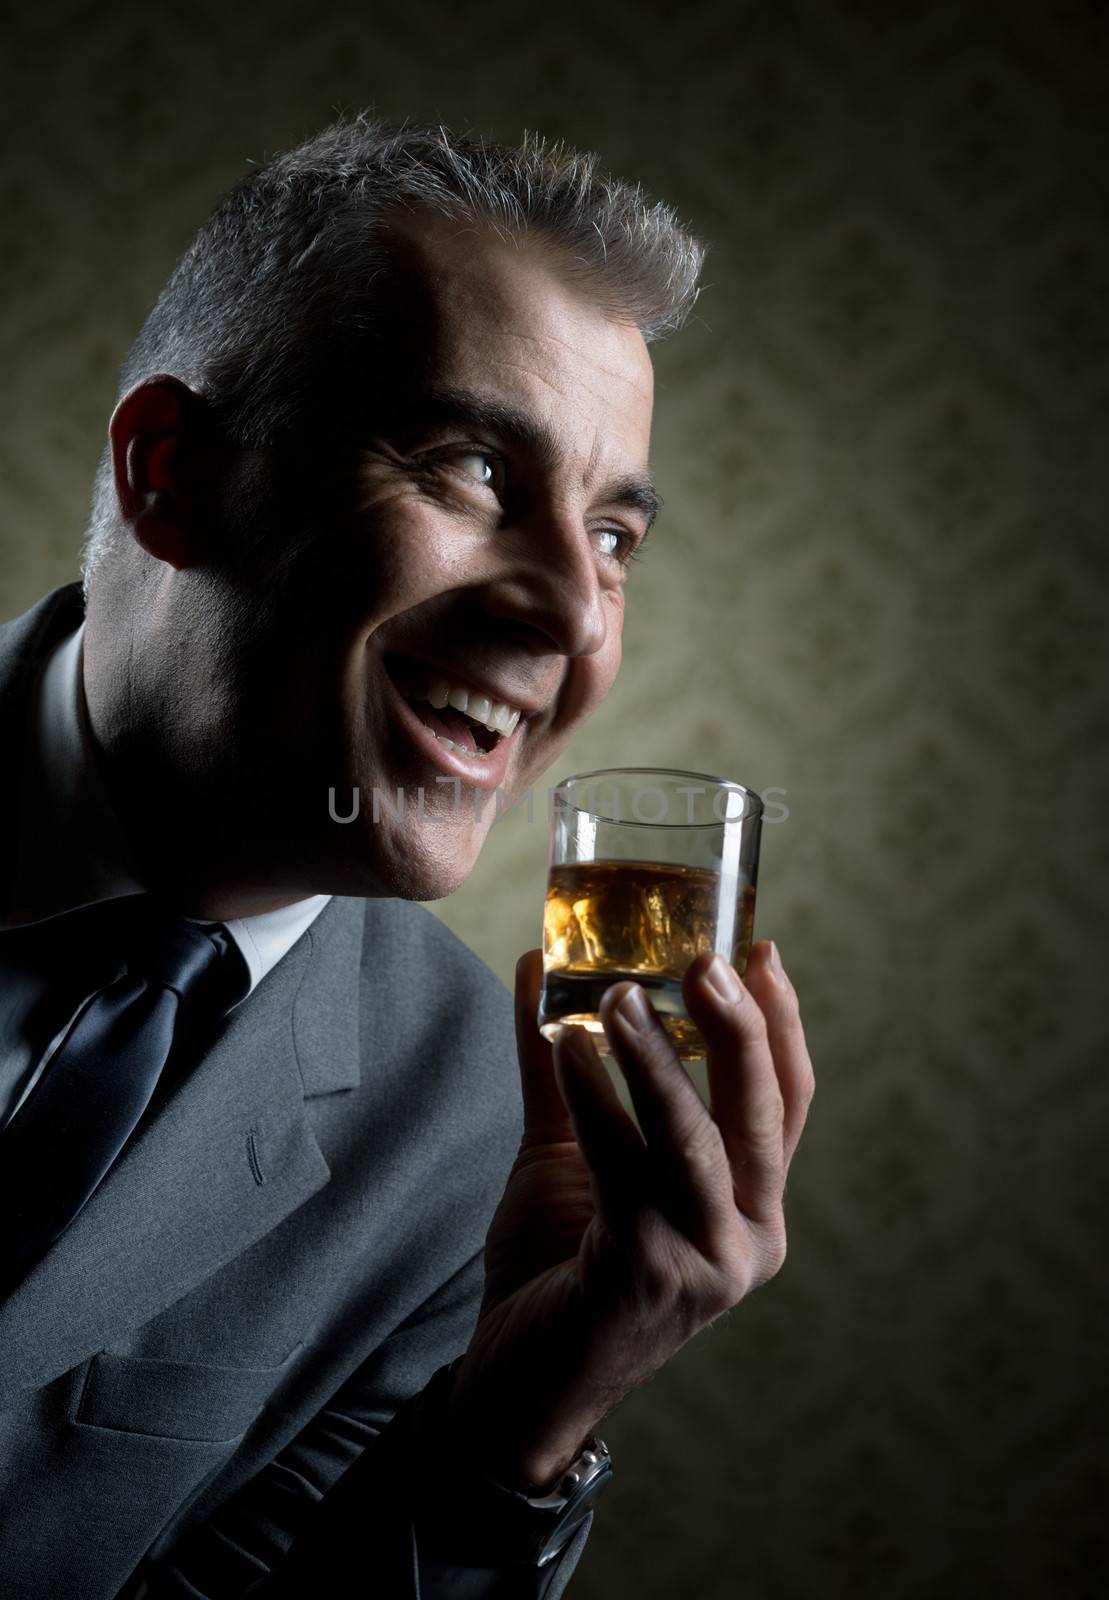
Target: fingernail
634,1011
776,963
722,979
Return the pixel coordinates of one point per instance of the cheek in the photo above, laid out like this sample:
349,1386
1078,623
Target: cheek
391,558
606,663
394,559
588,681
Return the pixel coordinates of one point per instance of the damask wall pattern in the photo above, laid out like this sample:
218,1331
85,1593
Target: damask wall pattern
879,588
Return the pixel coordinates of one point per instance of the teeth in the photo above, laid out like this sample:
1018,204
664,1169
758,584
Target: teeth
493,714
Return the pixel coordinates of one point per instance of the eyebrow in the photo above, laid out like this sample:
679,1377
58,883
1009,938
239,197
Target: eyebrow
466,407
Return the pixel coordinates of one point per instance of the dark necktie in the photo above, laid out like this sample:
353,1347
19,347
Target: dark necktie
102,1076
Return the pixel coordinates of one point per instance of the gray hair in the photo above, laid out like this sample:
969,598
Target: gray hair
279,277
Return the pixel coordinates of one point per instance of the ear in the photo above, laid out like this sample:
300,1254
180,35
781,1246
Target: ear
165,456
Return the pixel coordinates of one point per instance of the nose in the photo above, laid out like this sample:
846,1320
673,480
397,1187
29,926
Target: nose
550,583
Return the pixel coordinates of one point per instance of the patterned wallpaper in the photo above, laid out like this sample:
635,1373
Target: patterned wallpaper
879,585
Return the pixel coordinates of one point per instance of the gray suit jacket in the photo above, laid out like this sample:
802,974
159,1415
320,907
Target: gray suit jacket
202,1372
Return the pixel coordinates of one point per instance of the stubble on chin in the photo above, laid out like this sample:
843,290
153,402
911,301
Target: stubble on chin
421,857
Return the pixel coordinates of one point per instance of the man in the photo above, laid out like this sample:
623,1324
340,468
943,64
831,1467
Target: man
385,434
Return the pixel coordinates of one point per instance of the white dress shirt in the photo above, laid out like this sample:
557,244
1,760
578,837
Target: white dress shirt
71,853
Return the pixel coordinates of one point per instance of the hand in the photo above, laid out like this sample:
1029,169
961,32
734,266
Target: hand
610,1249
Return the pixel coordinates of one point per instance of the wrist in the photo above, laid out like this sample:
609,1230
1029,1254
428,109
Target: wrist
507,1447
467,1513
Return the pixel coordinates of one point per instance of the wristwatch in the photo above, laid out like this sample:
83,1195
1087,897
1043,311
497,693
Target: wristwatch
545,1524
474,1521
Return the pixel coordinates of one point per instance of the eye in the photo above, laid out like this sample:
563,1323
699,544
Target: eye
472,462
477,464
618,544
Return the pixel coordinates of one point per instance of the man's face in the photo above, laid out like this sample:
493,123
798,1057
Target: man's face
472,538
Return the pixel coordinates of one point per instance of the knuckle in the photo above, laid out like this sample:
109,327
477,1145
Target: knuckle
651,1053
751,1023
660,1055
698,1145
790,1023
765,1123
791,1032
762,1151
739,1026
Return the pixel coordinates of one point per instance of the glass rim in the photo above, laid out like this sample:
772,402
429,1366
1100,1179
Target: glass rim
753,807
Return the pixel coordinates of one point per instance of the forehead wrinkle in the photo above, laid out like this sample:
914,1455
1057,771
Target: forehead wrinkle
565,394
575,353
592,466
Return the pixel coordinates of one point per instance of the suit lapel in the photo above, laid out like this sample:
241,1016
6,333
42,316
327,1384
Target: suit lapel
222,1160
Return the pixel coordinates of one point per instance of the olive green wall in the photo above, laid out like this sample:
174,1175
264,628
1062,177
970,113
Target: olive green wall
879,585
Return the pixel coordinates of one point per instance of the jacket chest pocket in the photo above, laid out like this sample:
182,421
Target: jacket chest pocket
175,1399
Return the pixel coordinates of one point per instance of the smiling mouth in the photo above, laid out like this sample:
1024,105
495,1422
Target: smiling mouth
461,719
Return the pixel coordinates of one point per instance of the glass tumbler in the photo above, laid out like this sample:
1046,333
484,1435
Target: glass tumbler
649,868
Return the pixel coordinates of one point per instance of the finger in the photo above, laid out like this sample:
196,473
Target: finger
768,982
680,1134
607,1137
545,1114
746,1101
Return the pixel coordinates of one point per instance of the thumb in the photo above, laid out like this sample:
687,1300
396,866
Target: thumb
545,1114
